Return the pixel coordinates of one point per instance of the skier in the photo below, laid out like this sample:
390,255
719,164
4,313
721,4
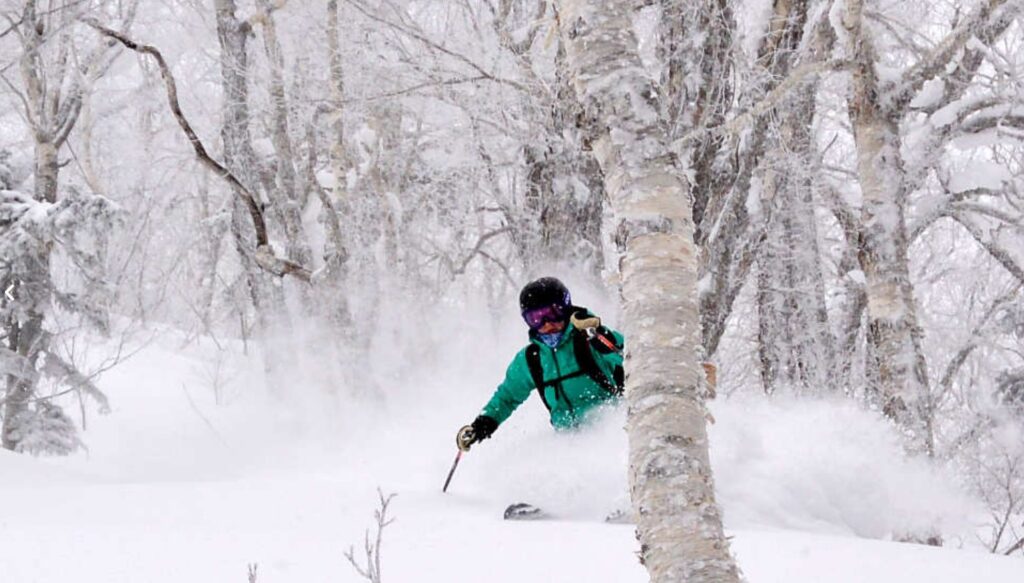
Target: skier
573,361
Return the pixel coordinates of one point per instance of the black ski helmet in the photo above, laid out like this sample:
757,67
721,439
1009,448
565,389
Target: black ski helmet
545,291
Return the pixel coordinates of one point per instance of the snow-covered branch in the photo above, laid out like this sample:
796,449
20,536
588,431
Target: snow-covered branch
265,255
997,251
991,19
421,38
801,74
958,360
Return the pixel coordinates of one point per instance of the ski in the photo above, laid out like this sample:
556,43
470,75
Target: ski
523,511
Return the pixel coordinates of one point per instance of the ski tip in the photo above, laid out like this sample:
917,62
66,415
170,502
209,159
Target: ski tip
523,511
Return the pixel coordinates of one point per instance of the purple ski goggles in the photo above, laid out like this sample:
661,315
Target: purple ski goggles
537,317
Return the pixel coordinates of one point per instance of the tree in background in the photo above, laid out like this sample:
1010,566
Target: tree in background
50,227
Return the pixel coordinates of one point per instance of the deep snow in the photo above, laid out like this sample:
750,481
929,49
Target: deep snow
177,488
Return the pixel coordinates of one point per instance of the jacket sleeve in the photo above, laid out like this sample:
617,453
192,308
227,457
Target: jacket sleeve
511,393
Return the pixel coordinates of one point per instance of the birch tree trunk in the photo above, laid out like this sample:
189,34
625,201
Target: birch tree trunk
285,195
339,160
273,324
335,202
898,369
32,286
238,153
678,522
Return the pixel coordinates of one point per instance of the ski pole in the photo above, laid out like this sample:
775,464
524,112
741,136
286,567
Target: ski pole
591,334
451,472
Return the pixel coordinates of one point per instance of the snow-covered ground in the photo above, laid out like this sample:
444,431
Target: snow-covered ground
177,488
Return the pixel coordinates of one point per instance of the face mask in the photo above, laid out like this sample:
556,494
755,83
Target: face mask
551,340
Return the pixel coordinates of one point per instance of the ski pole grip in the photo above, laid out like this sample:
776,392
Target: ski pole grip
587,324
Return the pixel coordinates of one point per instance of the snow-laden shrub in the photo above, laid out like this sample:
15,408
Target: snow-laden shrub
53,265
46,430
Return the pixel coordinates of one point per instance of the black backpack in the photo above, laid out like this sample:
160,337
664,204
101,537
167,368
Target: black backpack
588,366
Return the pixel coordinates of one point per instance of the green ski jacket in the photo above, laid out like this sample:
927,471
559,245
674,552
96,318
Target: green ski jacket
569,393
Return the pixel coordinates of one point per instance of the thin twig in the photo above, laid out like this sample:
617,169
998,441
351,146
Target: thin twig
414,88
371,571
434,45
1019,545
477,249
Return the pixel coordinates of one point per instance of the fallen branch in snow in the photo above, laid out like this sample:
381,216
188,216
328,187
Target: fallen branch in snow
371,572
252,572
264,255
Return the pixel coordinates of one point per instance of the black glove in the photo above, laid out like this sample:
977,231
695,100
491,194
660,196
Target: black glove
481,428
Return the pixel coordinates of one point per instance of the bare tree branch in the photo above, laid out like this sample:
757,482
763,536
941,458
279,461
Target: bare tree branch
997,252
434,45
417,87
946,382
477,249
1016,547
265,256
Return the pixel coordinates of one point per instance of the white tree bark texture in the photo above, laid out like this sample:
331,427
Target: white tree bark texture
678,521
901,379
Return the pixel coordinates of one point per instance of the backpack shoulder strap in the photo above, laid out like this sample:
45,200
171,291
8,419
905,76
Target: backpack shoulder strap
536,371
585,359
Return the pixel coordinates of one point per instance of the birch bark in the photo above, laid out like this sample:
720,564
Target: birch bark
678,522
900,375
285,195
238,153
273,323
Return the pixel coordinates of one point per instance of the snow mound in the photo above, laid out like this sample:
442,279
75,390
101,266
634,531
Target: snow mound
573,474
826,466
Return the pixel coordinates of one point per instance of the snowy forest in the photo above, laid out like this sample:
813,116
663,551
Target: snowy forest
240,234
